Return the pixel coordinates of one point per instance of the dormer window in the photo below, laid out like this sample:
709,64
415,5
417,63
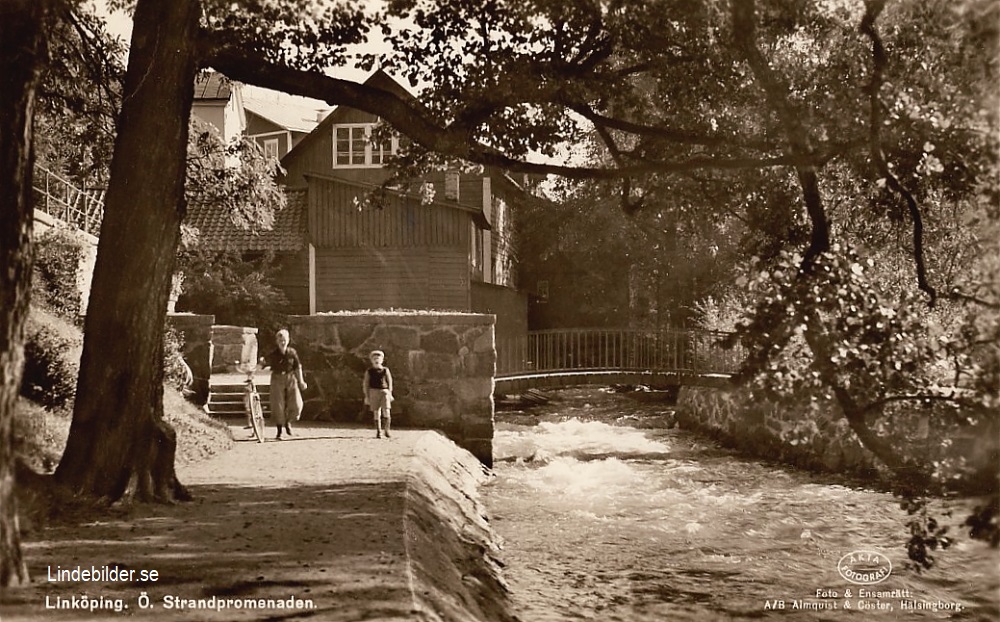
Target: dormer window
353,146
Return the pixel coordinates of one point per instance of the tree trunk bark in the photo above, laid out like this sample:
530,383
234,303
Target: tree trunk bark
119,446
23,54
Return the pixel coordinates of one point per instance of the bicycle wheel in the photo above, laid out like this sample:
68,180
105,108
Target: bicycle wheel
257,417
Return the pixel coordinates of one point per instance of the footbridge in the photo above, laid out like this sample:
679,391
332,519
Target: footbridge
658,359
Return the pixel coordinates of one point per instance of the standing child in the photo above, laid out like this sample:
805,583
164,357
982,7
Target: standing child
286,383
377,386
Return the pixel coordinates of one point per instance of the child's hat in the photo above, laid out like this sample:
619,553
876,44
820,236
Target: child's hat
374,352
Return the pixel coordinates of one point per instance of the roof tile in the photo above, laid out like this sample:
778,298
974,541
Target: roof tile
212,85
217,232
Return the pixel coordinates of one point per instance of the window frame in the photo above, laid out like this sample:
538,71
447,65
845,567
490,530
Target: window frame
272,143
369,157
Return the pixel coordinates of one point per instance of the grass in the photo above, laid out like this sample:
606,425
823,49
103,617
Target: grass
40,434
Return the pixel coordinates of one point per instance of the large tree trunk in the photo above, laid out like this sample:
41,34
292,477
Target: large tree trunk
119,445
23,54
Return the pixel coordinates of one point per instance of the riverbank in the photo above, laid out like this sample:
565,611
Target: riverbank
330,523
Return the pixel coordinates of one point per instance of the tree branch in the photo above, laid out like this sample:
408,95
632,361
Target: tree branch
407,117
879,62
688,138
916,397
957,294
776,93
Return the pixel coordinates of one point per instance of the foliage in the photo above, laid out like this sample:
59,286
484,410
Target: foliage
908,380
176,373
235,179
58,253
235,290
79,98
647,269
49,373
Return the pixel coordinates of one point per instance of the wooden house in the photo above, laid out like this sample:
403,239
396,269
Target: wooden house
277,124
443,242
219,101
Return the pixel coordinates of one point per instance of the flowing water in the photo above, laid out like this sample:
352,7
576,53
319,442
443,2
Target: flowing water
607,514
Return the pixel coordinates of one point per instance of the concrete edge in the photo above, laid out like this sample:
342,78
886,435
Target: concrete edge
452,554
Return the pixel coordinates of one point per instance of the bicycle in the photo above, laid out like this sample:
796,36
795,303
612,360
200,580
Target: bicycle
252,406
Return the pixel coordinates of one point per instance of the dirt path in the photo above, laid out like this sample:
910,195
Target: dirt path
308,527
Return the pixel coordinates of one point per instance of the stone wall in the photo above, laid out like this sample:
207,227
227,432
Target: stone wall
823,440
228,344
196,331
442,366
825,443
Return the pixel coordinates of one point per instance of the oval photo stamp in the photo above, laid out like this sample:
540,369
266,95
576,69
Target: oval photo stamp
864,567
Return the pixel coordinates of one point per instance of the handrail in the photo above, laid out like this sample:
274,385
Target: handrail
565,350
62,199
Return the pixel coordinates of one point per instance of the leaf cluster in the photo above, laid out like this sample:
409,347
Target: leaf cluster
236,290
235,179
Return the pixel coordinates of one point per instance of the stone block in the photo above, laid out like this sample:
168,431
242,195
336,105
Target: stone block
485,364
441,392
316,409
476,409
352,336
481,448
431,365
478,429
348,410
440,340
432,415
473,389
484,342
390,337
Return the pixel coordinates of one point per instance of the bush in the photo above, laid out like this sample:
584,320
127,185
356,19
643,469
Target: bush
39,435
236,290
58,253
176,372
49,371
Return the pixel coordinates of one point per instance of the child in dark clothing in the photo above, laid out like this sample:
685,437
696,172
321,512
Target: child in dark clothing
377,387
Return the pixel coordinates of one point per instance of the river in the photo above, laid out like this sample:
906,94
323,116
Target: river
606,513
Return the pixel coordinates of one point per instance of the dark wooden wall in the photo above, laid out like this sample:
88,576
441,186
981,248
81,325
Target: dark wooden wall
392,278
293,279
337,219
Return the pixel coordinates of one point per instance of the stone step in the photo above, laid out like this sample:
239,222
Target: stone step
226,399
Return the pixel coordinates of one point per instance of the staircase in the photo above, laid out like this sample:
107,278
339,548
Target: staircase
60,198
225,396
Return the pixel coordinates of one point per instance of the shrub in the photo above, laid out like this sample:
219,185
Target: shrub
58,253
176,372
236,290
49,372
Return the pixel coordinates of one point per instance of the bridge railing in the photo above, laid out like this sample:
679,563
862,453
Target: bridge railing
60,198
681,351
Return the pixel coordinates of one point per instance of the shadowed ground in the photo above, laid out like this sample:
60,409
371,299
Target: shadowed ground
316,517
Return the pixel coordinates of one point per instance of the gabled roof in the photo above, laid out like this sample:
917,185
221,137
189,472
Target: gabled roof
289,116
380,80
212,85
217,232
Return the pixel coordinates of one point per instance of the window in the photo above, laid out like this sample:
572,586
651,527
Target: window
542,291
476,252
352,146
271,148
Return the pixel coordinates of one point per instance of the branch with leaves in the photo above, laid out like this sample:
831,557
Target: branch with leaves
875,121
